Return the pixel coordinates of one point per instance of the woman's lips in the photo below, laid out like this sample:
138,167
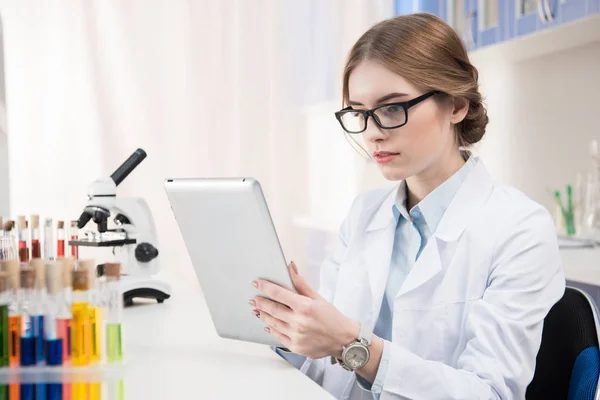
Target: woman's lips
384,157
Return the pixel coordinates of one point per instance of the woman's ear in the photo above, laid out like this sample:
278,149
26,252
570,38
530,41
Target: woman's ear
460,107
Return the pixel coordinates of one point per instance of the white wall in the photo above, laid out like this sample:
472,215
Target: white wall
4,187
543,114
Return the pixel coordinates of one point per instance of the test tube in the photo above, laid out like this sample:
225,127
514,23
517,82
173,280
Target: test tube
96,322
54,343
114,344
4,330
114,340
8,248
9,229
27,275
60,239
11,266
23,239
95,310
74,233
64,318
36,249
80,329
39,267
49,239
38,311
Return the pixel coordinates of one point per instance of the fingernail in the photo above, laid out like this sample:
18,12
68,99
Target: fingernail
293,265
252,303
267,329
257,313
255,284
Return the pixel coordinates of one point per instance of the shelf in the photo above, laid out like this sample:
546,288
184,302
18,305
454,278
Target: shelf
548,41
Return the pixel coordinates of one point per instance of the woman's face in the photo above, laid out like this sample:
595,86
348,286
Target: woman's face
423,142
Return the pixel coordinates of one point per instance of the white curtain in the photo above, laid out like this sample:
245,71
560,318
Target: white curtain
207,88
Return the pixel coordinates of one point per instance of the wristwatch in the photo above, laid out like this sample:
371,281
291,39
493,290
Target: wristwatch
356,355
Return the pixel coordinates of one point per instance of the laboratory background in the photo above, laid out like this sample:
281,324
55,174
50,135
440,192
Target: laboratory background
248,88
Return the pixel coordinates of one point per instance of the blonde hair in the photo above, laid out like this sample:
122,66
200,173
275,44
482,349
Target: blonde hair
429,54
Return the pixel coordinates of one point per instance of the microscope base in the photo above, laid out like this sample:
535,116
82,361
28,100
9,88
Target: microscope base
144,287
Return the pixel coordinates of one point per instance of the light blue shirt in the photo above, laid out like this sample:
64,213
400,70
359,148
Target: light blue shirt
413,230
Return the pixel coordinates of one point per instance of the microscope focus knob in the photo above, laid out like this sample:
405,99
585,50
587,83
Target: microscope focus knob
145,252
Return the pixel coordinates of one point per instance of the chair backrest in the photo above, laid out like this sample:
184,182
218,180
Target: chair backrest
568,363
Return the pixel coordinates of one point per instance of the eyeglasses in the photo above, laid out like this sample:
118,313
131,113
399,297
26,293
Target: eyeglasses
387,116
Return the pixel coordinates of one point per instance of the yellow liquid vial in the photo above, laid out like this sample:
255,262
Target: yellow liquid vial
80,336
95,391
96,333
80,391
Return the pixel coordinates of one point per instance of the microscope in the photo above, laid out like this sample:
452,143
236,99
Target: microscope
133,241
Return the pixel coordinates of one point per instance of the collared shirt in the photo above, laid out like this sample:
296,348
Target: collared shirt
413,230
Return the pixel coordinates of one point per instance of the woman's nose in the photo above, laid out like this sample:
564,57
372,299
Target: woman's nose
374,133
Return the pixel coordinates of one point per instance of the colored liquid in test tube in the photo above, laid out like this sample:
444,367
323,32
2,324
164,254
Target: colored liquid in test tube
23,239
74,236
38,320
54,342
14,321
36,247
4,330
114,299
80,330
96,323
64,320
114,339
27,334
60,239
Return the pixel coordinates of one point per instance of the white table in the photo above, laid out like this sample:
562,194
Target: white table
174,352
582,265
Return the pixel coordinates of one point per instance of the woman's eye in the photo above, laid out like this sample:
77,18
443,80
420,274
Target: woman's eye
393,109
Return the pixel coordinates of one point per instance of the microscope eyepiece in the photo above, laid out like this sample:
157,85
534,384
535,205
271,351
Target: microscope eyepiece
129,165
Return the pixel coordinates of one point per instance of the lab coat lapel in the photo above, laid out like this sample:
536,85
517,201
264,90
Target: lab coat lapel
378,245
465,206
427,266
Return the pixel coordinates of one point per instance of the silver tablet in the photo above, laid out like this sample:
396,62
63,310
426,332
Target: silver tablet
231,240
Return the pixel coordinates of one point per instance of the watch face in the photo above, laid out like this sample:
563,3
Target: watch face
356,357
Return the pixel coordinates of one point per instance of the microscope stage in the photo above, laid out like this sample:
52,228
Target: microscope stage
104,243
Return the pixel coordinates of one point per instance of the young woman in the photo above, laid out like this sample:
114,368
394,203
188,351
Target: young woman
438,288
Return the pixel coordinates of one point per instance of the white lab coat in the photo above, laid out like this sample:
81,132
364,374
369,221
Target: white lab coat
468,319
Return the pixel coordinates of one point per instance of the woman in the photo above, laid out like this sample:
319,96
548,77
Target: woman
438,288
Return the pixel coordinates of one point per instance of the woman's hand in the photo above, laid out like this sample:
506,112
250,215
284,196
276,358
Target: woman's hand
305,322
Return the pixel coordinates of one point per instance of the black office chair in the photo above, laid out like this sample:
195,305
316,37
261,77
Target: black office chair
568,363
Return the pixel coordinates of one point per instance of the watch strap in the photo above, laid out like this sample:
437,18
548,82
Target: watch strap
365,334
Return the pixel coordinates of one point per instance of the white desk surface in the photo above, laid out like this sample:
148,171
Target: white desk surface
173,352
582,265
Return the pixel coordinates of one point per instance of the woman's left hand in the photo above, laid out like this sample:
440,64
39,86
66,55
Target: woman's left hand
303,322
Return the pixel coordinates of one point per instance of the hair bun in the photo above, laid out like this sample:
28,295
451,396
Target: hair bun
471,129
